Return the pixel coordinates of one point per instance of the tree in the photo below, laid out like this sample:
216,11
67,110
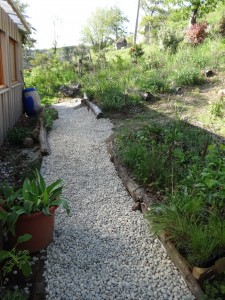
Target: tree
103,27
196,8
155,15
153,7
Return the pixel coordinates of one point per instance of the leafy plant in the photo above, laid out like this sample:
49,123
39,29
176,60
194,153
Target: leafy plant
175,146
136,51
16,135
217,109
49,115
193,217
170,39
214,288
187,76
152,81
13,259
34,196
14,295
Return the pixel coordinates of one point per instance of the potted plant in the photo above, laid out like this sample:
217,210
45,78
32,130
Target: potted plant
31,210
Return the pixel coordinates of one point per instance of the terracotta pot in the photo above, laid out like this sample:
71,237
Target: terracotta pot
39,226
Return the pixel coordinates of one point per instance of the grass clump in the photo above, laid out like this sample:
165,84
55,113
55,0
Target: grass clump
193,215
49,115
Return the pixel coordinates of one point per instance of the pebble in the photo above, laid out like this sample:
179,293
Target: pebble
103,250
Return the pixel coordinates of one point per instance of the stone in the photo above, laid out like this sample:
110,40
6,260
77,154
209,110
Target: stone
209,73
221,92
120,43
35,134
136,206
70,91
28,142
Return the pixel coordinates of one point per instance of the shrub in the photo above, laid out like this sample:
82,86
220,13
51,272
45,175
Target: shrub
186,76
49,115
16,135
217,109
197,33
169,39
136,51
152,81
176,146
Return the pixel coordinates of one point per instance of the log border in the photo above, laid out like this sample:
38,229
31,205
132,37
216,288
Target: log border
96,110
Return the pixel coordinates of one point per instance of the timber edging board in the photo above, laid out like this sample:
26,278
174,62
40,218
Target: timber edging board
138,194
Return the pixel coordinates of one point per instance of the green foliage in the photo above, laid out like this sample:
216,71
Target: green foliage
16,135
202,7
103,27
16,260
174,145
152,81
217,109
214,288
14,295
193,217
208,182
170,39
136,51
34,196
49,73
49,115
187,76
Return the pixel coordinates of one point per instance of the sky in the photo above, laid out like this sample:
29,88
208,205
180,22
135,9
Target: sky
63,20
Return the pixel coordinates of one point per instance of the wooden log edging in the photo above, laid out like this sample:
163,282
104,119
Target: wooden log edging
43,139
96,110
143,202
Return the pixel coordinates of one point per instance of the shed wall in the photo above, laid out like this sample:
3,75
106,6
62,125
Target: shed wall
11,106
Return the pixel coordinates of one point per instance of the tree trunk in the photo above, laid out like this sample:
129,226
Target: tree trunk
193,17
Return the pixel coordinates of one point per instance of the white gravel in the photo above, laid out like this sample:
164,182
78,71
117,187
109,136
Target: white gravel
103,250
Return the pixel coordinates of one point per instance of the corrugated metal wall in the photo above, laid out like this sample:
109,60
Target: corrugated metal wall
11,106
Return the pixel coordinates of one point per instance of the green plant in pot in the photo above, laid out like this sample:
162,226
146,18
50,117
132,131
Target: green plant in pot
31,210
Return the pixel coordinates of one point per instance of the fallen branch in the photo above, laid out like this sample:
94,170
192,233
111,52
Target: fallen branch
96,110
43,139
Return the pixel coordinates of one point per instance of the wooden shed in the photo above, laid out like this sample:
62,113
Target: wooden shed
12,28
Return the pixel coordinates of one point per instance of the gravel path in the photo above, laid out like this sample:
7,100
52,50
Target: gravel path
103,250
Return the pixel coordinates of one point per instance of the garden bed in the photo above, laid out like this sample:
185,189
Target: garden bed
143,202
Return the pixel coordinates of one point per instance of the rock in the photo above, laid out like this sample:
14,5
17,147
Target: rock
147,96
28,142
120,43
35,134
70,91
209,73
178,90
221,92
